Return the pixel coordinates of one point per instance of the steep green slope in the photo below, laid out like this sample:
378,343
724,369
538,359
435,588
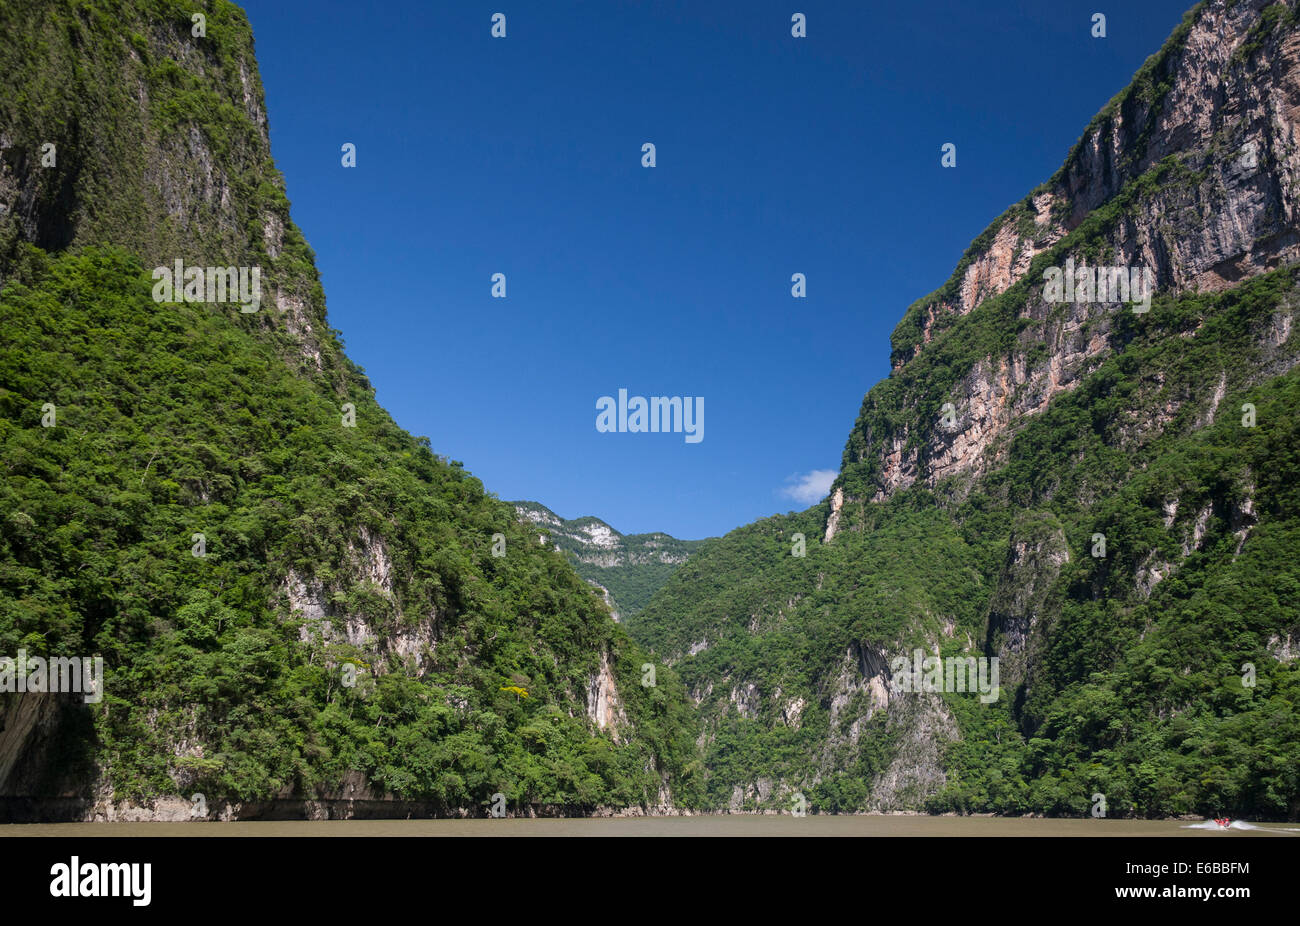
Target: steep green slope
341,629
160,146
630,567
1137,693
1013,439
171,422
759,635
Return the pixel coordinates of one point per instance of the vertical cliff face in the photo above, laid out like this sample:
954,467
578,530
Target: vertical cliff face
297,603
1193,171
1069,485
160,146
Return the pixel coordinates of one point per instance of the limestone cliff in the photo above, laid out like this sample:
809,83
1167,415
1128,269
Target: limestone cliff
1192,171
1065,484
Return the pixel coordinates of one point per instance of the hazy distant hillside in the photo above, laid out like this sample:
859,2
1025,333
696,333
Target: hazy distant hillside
629,567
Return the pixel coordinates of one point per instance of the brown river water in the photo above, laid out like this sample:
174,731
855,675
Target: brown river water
703,825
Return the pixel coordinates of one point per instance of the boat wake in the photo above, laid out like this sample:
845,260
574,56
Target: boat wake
1238,825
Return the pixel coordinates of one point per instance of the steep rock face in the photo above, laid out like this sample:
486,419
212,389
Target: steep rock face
1092,496
333,545
382,634
916,723
31,756
110,138
923,727
1193,172
604,706
857,690
1036,551
161,146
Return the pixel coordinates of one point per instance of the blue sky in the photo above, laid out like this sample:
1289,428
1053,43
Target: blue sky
775,155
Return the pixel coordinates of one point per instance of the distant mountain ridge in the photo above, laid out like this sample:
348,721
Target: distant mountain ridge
629,568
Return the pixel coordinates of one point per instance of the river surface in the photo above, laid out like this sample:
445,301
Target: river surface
703,825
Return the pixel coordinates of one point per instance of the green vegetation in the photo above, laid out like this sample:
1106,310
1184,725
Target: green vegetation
172,420
759,615
1141,698
631,567
348,624
1269,20
1136,696
1174,607
326,546
1137,104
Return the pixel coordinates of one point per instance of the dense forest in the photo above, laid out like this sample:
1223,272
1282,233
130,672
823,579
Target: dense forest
189,425
1103,497
293,597
1140,698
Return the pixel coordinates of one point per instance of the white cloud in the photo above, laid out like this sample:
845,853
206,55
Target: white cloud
810,488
